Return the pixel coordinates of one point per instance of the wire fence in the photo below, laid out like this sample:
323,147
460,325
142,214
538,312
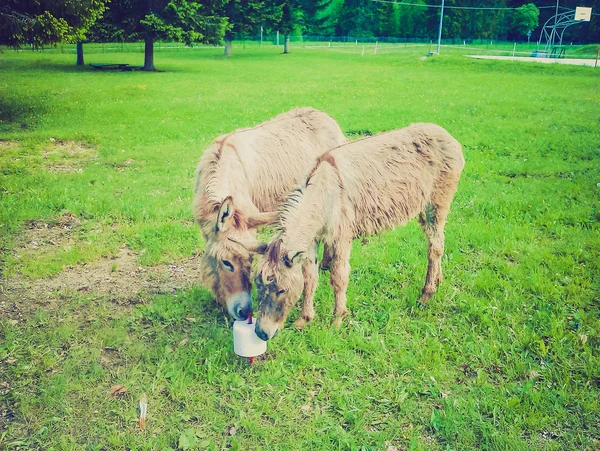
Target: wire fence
347,44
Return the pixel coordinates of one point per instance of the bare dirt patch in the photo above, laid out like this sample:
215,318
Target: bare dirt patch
119,279
7,145
66,156
40,236
529,59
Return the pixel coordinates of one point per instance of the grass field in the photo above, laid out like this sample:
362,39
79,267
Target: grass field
99,251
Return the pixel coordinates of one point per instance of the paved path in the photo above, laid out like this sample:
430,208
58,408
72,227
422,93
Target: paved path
573,61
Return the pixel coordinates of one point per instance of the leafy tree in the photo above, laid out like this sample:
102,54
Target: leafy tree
180,20
386,19
412,19
246,16
290,16
356,18
316,16
525,18
48,22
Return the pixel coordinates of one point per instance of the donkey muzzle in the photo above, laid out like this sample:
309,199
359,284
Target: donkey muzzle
240,305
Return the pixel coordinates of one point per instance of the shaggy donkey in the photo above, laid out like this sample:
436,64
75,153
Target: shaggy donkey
357,189
243,177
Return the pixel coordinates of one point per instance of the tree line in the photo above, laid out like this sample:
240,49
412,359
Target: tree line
39,23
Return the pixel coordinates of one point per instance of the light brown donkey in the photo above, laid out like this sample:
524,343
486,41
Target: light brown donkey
357,189
243,177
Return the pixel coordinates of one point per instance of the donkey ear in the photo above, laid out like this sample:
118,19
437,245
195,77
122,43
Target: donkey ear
252,246
262,219
225,215
294,257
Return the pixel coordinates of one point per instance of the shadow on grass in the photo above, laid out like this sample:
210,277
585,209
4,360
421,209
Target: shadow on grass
21,113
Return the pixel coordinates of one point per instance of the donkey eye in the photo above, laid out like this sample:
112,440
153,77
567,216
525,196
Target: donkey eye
280,292
228,265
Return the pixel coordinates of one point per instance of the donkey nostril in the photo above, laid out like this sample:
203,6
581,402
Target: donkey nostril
261,334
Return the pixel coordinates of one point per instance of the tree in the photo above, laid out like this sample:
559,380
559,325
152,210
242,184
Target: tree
290,16
386,19
356,18
180,20
412,19
316,16
246,16
48,22
524,19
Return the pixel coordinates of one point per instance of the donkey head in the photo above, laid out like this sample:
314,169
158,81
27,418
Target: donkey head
226,264
279,283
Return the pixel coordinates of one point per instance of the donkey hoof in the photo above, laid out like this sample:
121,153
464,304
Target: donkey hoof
325,265
300,323
425,297
337,321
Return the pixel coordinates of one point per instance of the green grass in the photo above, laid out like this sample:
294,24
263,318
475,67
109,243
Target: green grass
505,356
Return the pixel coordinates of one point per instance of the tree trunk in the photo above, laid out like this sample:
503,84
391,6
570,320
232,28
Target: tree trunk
149,53
286,44
228,45
80,53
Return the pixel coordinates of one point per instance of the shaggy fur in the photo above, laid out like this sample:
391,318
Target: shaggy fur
255,168
357,189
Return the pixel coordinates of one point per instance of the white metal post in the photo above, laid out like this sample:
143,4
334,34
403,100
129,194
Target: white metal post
440,31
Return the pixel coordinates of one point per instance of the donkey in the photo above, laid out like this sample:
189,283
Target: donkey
242,178
357,189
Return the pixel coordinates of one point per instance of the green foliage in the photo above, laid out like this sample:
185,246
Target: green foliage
524,19
316,16
506,356
47,22
245,17
181,20
412,20
291,15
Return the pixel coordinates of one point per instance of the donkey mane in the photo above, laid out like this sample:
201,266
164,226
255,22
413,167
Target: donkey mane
274,252
294,200
209,166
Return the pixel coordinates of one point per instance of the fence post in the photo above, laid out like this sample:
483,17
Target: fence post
363,52
597,55
514,48
375,51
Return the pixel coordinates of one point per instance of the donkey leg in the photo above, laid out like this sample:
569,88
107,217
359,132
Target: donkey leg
339,277
433,221
311,277
327,256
